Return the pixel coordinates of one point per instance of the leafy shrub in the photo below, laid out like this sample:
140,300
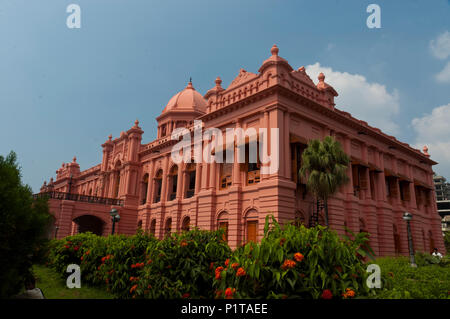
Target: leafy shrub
103,260
180,266
295,263
23,223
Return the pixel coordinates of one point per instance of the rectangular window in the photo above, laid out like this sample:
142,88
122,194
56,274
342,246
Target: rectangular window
226,171
253,171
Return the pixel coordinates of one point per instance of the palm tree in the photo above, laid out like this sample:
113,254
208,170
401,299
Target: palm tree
324,165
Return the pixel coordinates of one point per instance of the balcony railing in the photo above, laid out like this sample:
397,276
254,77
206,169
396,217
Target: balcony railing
80,198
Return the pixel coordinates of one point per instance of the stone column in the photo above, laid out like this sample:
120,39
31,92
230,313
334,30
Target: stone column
212,176
150,183
287,149
180,180
236,164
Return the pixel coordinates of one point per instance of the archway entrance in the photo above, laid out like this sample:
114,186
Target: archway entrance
89,223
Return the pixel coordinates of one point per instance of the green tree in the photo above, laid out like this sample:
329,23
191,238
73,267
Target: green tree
324,164
23,224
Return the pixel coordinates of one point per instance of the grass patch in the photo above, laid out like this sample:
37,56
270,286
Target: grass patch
54,287
405,282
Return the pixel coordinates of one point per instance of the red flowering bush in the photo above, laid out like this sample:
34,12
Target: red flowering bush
296,262
183,266
104,261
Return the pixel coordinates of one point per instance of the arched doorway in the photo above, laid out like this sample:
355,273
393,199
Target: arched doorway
153,227
222,223
89,223
186,223
251,226
168,227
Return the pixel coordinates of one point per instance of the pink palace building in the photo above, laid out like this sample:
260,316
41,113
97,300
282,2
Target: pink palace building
150,191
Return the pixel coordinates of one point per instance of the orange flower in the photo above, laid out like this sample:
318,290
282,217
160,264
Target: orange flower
282,240
186,295
227,262
240,272
229,293
218,271
183,244
299,257
211,265
149,262
288,263
234,265
133,288
218,293
348,293
81,258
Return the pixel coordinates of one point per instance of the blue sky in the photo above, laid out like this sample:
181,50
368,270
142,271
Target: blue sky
63,91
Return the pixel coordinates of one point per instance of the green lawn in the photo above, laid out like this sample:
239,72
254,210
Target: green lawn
54,287
405,282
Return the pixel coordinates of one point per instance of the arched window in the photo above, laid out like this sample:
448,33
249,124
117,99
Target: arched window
251,223
168,227
186,223
139,225
117,180
144,188
158,186
153,227
222,223
191,172
173,182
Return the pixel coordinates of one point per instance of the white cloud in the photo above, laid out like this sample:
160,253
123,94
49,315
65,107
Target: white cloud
440,47
367,101
433,130
444,75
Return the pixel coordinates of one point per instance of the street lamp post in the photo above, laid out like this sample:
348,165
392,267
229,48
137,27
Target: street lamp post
407,217
56,231
115,217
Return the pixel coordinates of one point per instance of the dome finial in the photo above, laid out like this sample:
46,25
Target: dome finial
136,123
109,137
190,86
218,81
425,151
74,159
321,77
274,50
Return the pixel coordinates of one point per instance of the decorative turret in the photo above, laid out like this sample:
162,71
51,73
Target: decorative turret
425,151
328,90
212,94
275,61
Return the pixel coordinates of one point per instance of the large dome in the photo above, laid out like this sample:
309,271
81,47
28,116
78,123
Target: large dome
187,100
